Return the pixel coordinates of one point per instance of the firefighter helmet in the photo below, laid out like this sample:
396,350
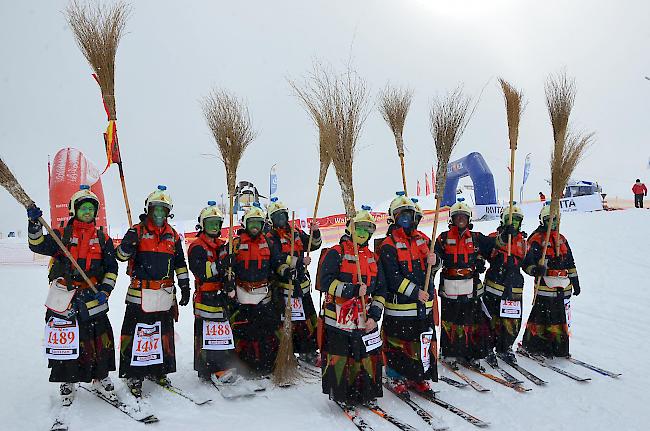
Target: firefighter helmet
211,211
254,212
516,213
159,197
363,218
399,203
460,207
83,195
276,206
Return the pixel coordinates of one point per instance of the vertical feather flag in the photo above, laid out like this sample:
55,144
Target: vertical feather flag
427,186
418,189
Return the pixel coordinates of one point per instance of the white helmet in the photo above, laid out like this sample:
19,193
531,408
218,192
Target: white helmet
275,206
516,213
399,203
159,197
363,218
84,194
211,211
460,207
418,209
254,212
544,213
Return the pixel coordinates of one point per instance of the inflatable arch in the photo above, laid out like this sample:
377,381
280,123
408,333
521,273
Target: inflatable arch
473,165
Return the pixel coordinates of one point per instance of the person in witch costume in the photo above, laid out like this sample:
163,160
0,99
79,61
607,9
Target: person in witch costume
351,347
504,282
154,252
279,238
72,304
465,331
214,354
255,321
547,330
409,340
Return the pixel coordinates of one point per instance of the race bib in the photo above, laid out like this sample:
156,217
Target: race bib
372,340
147,345
297,309
567,311
61,339
510,309
425,349
217,336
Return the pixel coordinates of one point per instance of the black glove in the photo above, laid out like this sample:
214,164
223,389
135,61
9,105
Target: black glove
185,296
229,284
539,270
576,285
289,273
34,213
480,266
229,260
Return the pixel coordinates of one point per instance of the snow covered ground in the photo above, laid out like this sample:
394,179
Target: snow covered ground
610,324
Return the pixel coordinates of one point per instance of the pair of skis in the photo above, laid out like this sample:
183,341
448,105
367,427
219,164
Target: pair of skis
544,363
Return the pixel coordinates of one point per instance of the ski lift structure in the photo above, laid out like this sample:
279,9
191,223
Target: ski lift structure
246,194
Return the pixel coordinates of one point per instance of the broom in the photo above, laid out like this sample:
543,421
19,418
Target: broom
514,108
230,123
9,182
394,104
448,119
98,31
285,370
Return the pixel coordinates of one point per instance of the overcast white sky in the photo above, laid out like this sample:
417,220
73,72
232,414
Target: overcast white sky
175,52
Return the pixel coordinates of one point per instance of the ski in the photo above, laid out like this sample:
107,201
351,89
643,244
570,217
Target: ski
453,367
455,410
308,368
524,372
61,419
175,390
494,378
452,382
354,416
374,407
435,422
128,410
594,368
493,362
558,370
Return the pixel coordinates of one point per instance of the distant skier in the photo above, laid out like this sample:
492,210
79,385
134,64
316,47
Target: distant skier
640,190
409,341
504,286
214,347
352,365
547,331
79,344
154,251
542,197
465,329
279,239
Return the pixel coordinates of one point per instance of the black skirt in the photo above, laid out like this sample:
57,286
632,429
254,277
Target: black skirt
350,374
465,329
402,347
96,353
503,331
547,332
255,329
132,317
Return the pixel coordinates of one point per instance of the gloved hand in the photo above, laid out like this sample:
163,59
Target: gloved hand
101,297
576,285
539,270
185,296
33,213
480,266
229,285
289,273
229,260
508,230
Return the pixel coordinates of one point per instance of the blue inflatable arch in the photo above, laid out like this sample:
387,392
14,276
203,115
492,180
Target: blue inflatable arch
473,165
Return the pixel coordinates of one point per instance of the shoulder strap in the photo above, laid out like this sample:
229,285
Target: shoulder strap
67,234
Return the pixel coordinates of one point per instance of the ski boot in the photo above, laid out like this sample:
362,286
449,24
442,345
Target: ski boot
135,386
398,385
474,363
311,358
422,387
105,387
67,391
162,380
226,377
508,356
491,359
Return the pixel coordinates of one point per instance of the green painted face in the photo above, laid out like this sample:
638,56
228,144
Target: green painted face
212,225
85,212
516,223
254,227
158,215
361,234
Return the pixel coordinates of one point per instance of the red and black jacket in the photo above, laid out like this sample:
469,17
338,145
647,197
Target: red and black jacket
252,259
201,254
499,274
459,251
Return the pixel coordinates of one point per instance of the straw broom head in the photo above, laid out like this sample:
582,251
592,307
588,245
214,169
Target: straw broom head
230,123
314,94
448,118
560,96
350,102
9,182
564,162
98,30
514,100
394,104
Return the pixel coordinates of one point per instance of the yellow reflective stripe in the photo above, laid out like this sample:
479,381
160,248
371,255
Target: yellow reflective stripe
379,299
134,292
181,270
208,308
289,286
330,313
403,285
36,241
333,286
93,303
110,275
393,306
121,256
281,268
208,269
498,286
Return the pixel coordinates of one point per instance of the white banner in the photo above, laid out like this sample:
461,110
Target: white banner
531,210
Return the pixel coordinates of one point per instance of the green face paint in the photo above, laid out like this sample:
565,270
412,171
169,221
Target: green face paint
361,235
158,215
253,227
85,212
212,225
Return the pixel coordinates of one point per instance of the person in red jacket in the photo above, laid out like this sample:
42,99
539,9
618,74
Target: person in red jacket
639,189
542,197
